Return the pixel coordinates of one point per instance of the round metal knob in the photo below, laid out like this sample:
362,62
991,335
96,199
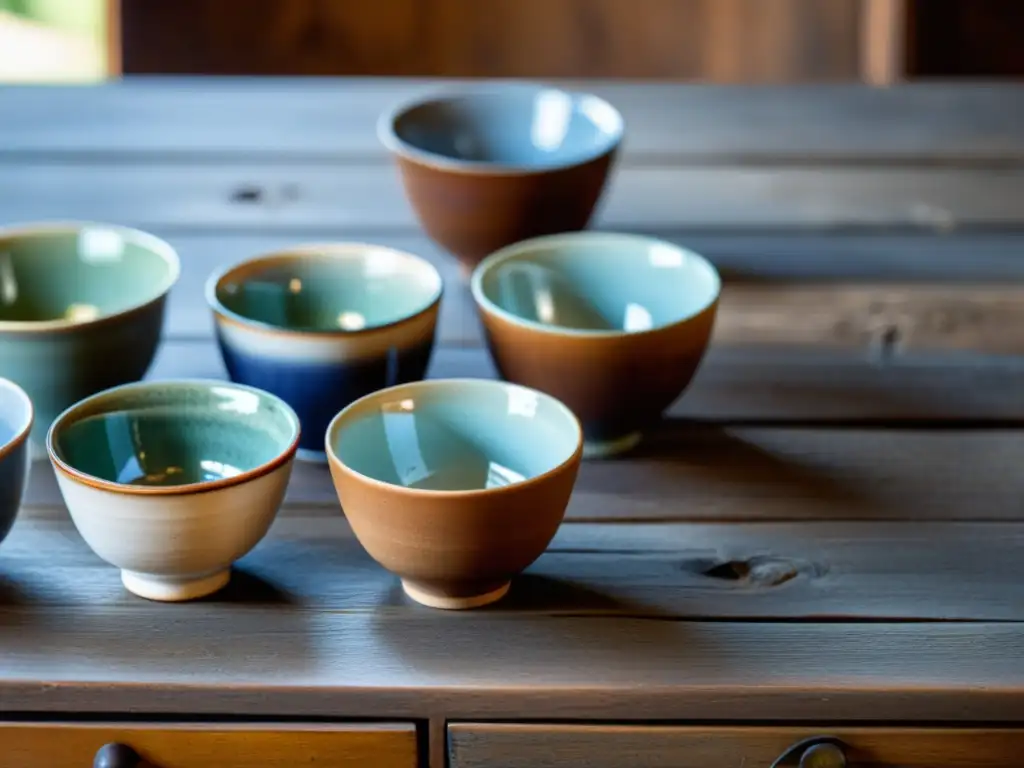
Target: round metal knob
116,756
816,752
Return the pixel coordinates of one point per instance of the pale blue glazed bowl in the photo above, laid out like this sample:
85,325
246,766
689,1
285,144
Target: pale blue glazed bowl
81,310
16,419
322,325
456,485
512,127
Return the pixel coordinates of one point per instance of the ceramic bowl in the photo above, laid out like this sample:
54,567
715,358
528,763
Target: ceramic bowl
322,325
612,325
173,481
487,167
455,485
16,418
81,310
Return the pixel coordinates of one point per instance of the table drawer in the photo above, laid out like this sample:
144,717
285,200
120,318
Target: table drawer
75,745
478,745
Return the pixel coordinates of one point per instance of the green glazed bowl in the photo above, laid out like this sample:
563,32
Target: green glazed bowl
81,310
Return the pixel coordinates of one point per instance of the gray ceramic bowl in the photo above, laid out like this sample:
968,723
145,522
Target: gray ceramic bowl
81,310
15,423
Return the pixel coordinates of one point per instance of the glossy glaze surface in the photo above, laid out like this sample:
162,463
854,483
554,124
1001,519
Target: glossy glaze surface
455,436
598,282
322,325
518,126
16,417
613,325
81,310
173,434
455,485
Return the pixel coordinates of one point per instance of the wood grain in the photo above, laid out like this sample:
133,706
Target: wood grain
334,119
270,197
73,745
806,571
475,745
268,659
724,40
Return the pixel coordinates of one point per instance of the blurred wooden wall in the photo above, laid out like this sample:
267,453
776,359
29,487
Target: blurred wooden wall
720,40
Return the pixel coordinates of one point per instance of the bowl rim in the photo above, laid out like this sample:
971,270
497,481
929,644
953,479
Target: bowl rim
525,246
389,138
282,457
147,240
326,251
466,493
21,433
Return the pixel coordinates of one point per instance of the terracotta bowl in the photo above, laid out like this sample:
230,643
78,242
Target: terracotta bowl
488,167
455,485
613,325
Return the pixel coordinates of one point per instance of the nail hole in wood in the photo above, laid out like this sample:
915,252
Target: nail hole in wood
247,194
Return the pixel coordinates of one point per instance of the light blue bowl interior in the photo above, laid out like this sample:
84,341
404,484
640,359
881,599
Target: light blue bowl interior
80,272
597,282
327,291
173,433
517,126
15,412
454,435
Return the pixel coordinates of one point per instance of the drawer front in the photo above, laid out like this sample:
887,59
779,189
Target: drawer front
478,745
75,745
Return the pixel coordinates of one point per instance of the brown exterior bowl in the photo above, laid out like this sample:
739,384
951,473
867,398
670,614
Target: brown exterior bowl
476,178
412,464
554,312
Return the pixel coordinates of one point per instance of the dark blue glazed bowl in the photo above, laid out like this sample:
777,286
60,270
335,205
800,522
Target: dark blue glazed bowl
322,325
16,418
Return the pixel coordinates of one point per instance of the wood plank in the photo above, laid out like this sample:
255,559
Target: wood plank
475,745
847,288
268,659
806,571
335,118
733,40
368,196
72,745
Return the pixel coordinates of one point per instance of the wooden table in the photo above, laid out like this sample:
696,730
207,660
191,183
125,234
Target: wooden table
826,537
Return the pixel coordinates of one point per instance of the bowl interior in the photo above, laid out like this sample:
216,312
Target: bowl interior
15,412
330,289
454,435
80,273
172,434
595,282
517,127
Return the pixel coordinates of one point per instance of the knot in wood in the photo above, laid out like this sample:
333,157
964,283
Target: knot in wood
755,571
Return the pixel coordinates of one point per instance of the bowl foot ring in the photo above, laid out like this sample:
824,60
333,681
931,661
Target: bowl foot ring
433,599
608,448
167,589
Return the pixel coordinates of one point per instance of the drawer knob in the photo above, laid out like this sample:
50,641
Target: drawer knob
816,752
116,756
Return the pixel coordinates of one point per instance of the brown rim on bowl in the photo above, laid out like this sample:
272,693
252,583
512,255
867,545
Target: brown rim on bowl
327,252
266,468
464,493
161,247
525,246
391,141
20,435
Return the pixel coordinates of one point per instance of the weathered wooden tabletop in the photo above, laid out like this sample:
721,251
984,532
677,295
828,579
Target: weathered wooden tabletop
828,528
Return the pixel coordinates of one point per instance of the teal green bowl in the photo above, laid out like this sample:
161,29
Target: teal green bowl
15,423
81,310
173,481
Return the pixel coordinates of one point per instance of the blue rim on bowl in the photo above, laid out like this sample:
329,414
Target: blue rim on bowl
593,240
326,252
604,117
22,430
138,237
88,405
418,387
